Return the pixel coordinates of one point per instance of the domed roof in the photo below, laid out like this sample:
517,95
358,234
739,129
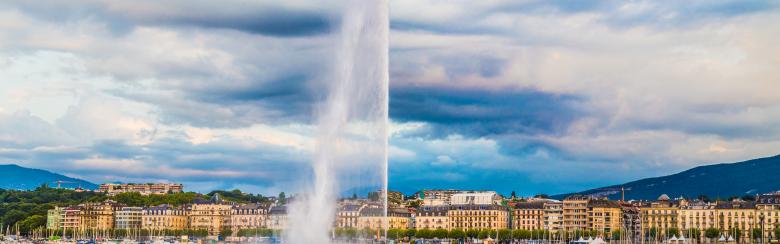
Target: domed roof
663,197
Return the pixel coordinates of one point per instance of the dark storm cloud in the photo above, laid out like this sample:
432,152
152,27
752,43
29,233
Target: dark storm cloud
475,112
251,17
273,22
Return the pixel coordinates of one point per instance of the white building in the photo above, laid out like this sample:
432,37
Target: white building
475,198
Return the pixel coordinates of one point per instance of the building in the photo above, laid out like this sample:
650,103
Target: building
659,216
528,215
436,197
164,217
98,216
399,218
737,215
489,216
768,210
373,217
347,215
248,216
575,213
145,189
277,218
475,198
604,217
553,216
211,216
71,218
432,217
54,218
128,218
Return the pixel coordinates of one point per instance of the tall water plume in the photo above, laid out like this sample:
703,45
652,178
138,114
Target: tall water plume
351,149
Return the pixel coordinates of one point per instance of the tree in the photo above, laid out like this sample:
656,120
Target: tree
439,233
457,234
513,195
748,197
411,233
31,223
777,232
11,217
712,233
521,234
484,234
472,233
757,233
395,234
616,235
504,234
692,233
423,234
673,231
225,232
282,198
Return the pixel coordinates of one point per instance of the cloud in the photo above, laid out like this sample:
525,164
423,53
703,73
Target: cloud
482,112
509,95
255,17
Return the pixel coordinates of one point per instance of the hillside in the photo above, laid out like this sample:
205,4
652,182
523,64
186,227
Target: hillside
20,178
718,180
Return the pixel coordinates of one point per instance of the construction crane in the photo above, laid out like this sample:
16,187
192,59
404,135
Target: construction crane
59,182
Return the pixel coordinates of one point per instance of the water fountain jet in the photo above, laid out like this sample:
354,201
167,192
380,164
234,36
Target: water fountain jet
351,148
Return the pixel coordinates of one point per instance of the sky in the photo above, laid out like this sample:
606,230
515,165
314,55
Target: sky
509,95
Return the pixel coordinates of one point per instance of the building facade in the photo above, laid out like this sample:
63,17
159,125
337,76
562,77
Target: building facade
575,213
210,216
478,217
528,215
432,217
98,216
604,217
145,189
348,214
164,217
54,218
553,216
248,216
129,218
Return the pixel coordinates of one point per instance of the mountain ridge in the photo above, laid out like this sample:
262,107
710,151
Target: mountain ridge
15,177
721,180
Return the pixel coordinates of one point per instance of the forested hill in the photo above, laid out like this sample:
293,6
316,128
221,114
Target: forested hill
715,181
16,177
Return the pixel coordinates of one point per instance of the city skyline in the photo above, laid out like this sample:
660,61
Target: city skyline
506,95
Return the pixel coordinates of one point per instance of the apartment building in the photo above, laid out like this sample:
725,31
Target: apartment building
432,217
248,216
659,215
575,213
528,215
98,216
471,216
475,198
145,189
604,217
347,215
277,218
164,217
211,216
129,218
553,216
54,218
